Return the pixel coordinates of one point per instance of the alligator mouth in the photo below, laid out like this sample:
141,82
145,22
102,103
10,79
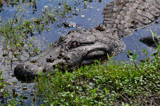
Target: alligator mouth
95,55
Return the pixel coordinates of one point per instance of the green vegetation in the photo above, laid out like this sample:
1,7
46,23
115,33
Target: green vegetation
15,35
112,83
5,93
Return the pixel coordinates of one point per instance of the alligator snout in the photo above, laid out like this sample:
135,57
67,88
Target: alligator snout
24,73
28,71
41,64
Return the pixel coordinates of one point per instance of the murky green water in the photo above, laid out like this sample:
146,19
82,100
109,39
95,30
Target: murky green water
87,16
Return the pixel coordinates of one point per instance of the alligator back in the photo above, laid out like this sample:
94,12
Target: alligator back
125,16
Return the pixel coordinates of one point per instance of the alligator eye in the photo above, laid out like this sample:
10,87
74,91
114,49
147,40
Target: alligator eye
74,44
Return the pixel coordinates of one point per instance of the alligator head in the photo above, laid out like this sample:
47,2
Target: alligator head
77,47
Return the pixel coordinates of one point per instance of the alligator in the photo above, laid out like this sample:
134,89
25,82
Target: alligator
82,46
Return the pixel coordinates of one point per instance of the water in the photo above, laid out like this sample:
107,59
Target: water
88,17
134,45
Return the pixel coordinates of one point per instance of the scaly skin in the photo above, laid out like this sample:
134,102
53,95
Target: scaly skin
121,18
126,16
